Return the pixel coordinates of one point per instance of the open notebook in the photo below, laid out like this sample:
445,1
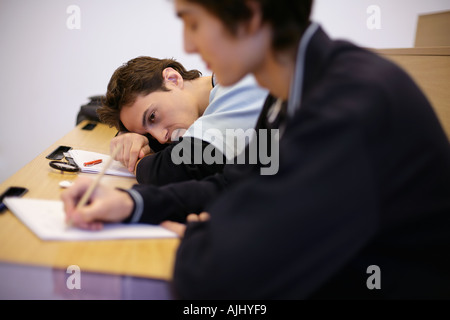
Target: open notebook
81,156
46,219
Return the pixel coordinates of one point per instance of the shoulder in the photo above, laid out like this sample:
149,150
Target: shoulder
367,68
363,79
244,94
236,106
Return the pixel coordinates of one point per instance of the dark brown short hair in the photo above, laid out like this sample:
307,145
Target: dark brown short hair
139,76
288,18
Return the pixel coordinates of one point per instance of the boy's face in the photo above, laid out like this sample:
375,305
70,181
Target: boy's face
229,56
166,115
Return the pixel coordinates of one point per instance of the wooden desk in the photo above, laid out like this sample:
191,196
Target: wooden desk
430,68
150,258
432,30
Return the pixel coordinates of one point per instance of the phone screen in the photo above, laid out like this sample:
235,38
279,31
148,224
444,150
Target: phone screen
58,153
11,192
89,126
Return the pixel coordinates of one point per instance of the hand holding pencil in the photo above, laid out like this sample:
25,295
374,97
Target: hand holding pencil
92,187
88,204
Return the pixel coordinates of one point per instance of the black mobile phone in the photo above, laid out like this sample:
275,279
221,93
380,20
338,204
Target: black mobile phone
58,153
89,126
11,192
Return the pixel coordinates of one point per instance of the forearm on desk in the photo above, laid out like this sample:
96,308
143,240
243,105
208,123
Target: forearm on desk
159,169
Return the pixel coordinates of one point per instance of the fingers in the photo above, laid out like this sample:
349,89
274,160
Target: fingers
116,142
70,198
106,205
130,155
91,226
180,228
130,151
176,227
73,194
132,146
193,217
124,143
145,151
204,216
201,217
87,216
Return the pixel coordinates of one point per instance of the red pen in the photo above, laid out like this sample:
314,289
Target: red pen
91,163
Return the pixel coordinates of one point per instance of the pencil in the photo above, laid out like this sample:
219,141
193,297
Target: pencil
94,185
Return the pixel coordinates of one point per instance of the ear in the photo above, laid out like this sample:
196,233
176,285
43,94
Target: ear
172,78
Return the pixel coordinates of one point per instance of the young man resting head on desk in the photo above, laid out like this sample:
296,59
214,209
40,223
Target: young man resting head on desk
151,99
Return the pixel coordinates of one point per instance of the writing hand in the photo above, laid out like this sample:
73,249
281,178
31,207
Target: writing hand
105,205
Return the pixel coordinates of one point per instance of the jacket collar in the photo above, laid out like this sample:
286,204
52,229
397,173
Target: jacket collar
313,51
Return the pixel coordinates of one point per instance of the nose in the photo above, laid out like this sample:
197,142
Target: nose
162,135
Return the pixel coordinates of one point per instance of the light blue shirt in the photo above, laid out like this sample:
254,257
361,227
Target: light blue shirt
235,107
232,108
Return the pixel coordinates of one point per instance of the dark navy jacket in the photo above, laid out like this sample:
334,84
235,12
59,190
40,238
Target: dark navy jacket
363,183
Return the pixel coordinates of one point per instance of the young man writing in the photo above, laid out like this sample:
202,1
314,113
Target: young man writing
359,187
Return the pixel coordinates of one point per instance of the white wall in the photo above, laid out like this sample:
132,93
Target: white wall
347,19
47,71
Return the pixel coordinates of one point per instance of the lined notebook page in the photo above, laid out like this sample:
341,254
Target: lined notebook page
46,219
